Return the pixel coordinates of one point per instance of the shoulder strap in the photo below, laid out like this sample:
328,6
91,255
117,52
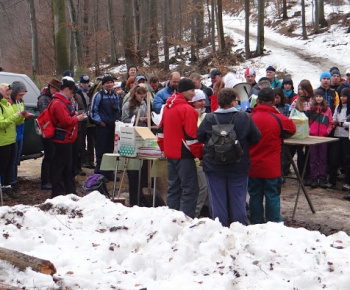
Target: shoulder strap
279,123
217,120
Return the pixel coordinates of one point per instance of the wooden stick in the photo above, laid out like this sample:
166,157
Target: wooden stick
23,261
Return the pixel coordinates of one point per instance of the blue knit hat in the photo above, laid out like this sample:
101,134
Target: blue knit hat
325,74
271,68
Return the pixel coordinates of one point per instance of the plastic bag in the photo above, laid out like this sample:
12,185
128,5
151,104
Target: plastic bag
301,123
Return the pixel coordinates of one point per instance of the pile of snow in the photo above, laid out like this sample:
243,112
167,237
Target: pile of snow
97,244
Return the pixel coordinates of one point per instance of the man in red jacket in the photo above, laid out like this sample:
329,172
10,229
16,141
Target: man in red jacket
265,158
66,128
178,139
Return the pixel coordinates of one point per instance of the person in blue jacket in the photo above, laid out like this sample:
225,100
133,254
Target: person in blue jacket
161,97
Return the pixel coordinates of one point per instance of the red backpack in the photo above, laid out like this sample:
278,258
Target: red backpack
43,124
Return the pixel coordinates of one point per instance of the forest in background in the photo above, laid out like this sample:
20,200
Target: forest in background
46,37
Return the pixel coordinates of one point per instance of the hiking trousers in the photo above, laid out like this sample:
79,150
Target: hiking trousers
227,196
183,185
259,188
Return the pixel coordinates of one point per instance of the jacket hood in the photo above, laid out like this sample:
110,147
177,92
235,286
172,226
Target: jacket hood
175,99
265,108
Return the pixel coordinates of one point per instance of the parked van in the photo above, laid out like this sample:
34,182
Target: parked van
32,145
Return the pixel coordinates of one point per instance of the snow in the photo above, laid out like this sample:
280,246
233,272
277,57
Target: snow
97,244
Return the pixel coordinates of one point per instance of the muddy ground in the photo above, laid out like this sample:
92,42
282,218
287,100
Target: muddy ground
332,211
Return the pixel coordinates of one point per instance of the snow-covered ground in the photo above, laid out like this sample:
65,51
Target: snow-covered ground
97,244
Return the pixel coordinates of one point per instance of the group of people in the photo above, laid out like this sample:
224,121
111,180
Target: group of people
85,128
12,117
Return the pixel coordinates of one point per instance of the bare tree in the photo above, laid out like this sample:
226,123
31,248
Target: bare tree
248,53
213,5
145,17
128,33
220,27
75,34
166,34
284,10
153,36
35,47
303,21
260,35
111,29
60,36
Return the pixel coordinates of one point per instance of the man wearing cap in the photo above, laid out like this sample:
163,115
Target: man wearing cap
346,82
64,116
271,75
177,138
331,96
196,78
162,96
215,76
45,97
105,110
265,159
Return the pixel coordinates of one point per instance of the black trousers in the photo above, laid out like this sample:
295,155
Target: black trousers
62,177
47,160
7,156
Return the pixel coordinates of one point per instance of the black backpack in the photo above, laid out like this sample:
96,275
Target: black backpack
223,145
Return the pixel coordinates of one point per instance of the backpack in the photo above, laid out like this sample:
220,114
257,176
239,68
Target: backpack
223,145
95,182
43,124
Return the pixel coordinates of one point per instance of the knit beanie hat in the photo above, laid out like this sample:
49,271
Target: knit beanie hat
249,71
68,82
335,72
325,74
271,68
185,85
17,87
319,92
266,95
198,96
345,92
84,79
67,73
107,78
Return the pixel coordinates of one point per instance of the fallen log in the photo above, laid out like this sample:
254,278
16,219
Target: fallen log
23,261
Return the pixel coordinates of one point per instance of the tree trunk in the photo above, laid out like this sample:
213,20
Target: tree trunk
145,27
166,35
260,36
60,36
248,53
153,36
76,34
303,21
128,33
35,48
322,20
284,13
213,21
317,18
220,26
199,17
96,31
23,261
111,29
136,32
193,32
85,29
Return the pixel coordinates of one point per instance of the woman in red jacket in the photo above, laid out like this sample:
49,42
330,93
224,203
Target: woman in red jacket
66,123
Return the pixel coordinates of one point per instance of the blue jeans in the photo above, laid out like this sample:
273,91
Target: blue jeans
259,188
183,185
18,151
227,196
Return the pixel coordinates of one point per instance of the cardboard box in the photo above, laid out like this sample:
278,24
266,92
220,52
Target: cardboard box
132,138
